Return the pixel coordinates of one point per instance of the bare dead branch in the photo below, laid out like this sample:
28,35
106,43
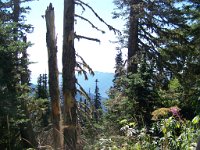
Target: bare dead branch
83,8
84,93
85,37
93,26
81,71
82,4
85,65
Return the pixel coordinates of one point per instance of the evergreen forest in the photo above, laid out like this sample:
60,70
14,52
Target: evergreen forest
153,104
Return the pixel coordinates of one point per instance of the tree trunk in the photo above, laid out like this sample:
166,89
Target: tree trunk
69,88
16,14
133,37
53,78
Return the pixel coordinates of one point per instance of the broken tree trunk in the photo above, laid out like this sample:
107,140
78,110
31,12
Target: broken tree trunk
69,88
53,78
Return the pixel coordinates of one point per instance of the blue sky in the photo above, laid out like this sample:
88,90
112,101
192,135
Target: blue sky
100,56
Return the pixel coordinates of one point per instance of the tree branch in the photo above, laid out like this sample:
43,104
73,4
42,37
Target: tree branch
85,65
93,26
87,38
82,4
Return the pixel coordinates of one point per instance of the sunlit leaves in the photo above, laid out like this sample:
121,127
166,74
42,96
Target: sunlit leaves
196,120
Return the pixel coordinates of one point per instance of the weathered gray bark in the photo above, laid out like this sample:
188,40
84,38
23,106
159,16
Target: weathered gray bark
69,88
53,78
133,37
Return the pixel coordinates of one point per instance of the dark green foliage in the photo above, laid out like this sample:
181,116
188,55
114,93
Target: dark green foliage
167,34
167,75
138,97
14,78
142,93
155,20
8,87
119,71
12,93
180,56
97,103
42,93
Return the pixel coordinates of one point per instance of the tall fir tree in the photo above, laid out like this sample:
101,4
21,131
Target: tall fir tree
150,26
181,56
119,71
16,74
42,93
41,90
97,103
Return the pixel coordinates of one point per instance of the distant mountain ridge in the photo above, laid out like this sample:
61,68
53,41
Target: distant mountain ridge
104,84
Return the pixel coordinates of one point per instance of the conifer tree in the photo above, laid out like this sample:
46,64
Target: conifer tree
119,71
145,30
149,27
181,56
26,128
97,103
13,48
8,93
41,91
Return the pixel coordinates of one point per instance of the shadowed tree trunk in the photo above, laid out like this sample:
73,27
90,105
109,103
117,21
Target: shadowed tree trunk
69,88
16,14
53,78
133,37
